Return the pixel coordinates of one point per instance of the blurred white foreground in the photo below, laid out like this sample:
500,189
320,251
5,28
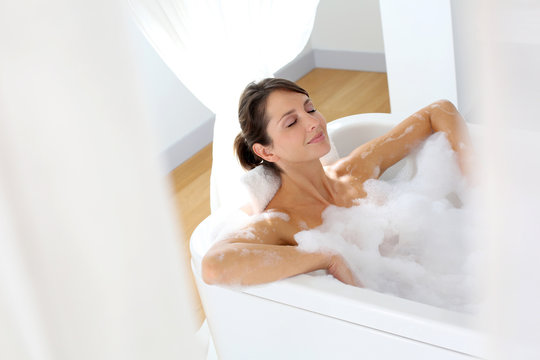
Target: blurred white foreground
507,40
89,262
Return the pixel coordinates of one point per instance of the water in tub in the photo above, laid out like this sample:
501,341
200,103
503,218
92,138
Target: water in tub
412,236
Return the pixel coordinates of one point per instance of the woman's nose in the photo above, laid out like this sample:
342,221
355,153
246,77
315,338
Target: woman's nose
311,123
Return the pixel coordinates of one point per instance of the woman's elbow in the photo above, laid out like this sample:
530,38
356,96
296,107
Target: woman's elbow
210,270
445,105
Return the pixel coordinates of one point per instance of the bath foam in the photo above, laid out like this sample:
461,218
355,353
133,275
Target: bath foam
412,236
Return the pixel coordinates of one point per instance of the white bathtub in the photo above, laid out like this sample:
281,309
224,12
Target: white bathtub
318,317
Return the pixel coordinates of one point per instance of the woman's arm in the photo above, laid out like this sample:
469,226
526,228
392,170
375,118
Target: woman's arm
445,117
374,157
249,264
265,257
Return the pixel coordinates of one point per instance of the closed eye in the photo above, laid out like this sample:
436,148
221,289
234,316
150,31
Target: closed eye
291,124
312,111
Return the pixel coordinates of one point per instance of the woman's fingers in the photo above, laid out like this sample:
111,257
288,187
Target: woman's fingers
339,269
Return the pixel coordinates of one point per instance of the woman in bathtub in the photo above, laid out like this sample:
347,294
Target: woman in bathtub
282,130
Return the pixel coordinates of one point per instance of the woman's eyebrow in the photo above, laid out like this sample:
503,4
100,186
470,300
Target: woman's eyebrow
287,113
292,110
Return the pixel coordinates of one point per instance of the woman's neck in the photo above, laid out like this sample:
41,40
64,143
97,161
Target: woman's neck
307,182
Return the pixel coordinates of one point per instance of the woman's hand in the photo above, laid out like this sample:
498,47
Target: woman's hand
339,269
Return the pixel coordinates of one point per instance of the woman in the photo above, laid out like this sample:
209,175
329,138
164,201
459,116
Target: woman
282,130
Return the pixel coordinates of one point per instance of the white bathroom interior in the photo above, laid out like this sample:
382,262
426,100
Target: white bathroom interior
93,116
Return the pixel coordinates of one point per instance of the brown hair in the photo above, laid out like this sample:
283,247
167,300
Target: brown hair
253,120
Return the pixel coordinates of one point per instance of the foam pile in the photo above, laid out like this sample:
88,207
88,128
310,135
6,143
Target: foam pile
412,236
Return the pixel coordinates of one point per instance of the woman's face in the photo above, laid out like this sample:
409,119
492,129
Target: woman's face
297,129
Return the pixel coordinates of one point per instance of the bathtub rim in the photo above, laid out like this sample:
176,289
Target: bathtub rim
383,312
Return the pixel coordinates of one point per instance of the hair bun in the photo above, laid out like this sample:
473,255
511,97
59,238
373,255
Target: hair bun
245,154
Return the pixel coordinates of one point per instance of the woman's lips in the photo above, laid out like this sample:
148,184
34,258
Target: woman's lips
318,138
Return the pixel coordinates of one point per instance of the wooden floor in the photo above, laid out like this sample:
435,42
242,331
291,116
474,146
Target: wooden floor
339,93
335,93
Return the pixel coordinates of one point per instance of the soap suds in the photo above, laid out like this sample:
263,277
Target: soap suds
411,237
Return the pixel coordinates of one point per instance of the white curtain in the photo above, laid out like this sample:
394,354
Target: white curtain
216,47
89,258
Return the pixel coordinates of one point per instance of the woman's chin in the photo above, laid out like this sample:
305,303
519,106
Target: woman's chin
326,147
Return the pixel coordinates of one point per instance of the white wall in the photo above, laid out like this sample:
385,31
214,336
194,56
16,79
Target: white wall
348,25
347,34
467,66
183,124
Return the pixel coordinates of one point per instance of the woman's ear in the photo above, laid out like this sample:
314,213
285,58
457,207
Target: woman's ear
265,152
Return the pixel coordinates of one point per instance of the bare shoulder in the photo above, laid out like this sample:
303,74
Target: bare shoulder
272,227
